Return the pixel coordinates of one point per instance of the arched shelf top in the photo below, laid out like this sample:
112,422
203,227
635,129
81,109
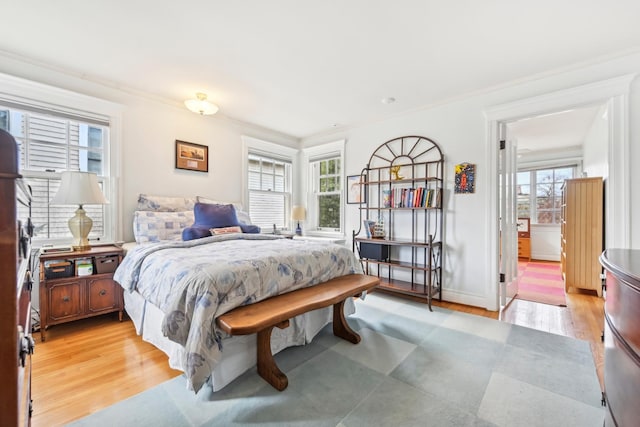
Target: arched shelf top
405,151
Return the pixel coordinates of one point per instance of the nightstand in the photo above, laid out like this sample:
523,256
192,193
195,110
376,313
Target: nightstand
79,284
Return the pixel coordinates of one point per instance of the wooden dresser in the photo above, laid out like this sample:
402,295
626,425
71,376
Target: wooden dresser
16,344
622,336
581,233
524,248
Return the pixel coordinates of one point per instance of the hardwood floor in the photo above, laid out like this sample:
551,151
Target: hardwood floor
90,364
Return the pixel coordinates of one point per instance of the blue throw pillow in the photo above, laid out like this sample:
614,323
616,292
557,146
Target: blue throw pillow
192,233
249,228
214,216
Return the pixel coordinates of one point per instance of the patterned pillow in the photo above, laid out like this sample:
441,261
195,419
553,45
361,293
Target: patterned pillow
149,226
165,204
226,230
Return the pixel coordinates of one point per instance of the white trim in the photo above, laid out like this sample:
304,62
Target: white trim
615,91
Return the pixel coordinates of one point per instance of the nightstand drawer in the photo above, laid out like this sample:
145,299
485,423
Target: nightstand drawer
103,295
64,300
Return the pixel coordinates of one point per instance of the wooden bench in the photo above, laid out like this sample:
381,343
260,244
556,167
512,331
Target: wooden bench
263,316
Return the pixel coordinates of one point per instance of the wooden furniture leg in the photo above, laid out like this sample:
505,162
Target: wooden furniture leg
267,367
340,326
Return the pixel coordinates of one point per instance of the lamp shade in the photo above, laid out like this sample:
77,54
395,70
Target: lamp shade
200,105
79,188
298,213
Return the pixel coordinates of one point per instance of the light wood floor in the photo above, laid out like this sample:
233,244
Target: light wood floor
90,364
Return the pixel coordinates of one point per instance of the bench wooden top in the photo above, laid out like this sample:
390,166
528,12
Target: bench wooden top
255,317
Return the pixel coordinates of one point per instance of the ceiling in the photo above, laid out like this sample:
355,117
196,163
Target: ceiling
307,68
555,131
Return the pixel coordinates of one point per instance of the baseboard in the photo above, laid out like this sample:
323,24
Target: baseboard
464,298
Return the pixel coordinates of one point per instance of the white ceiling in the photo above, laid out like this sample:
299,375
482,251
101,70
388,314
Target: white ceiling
553,131
300,67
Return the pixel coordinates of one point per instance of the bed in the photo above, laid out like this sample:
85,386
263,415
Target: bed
175,289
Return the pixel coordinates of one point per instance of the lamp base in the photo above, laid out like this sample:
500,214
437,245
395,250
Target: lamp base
80,226
298,229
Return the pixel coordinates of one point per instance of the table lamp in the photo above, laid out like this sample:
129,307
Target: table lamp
298,213
79,188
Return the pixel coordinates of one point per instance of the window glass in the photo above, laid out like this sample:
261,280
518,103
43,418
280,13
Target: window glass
544,205
49,145
269,182
328,193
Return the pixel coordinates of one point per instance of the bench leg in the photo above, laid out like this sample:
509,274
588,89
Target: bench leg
267,367
340,326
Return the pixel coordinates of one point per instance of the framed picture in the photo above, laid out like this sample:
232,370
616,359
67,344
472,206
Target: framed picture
465,178
524,227
356,189
193,157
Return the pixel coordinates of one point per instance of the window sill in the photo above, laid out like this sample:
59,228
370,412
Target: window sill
338,239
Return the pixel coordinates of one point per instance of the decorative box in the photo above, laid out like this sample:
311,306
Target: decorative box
59,268
106,264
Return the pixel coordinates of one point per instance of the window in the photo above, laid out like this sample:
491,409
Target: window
540,194
50,143
323,185
327,185
269,185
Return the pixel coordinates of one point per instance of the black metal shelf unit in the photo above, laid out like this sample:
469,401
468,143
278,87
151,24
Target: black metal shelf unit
403,193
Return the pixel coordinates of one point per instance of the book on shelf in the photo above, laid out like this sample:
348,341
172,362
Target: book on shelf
368,227
386,198
438,198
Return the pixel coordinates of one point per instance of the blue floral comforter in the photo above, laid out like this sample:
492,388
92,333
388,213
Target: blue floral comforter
194,282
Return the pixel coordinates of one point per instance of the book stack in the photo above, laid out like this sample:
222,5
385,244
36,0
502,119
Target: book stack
420,197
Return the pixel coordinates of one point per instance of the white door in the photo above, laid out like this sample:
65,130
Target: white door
508,286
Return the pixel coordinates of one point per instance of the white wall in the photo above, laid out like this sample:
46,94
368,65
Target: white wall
146,143
596,146
545,242
459,128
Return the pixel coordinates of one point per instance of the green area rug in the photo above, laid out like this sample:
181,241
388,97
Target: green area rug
412,368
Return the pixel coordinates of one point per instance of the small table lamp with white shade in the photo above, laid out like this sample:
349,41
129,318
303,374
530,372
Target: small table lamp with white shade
79,188
298,214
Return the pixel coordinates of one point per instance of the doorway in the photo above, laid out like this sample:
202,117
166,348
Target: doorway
613,94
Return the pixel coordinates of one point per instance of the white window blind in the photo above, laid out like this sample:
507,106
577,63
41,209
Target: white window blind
49,143
269,185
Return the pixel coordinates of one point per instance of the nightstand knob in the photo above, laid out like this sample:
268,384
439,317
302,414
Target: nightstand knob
103,293
66,298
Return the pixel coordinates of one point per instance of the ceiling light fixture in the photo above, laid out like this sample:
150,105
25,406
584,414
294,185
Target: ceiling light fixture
388,100
201,105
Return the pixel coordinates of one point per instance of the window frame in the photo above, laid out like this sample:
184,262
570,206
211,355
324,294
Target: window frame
255,146
310,156
533,191
26,95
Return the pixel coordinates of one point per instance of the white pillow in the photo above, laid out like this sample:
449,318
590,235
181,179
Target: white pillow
243,216
149,226
147,202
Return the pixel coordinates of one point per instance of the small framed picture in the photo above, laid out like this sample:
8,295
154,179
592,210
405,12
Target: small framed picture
524,227
190,156
356,189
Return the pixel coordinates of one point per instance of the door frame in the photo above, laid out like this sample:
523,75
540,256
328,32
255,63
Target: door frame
615,93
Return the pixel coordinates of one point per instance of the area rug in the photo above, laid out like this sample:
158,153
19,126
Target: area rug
413,367
541,281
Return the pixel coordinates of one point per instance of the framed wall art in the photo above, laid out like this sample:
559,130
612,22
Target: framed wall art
193,157
465,178
356,189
